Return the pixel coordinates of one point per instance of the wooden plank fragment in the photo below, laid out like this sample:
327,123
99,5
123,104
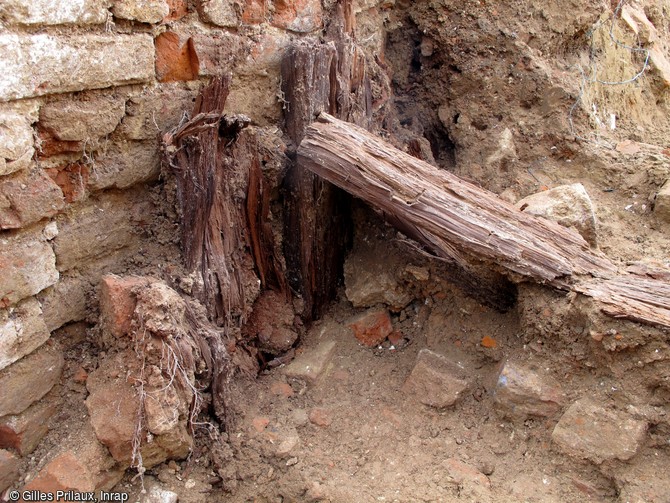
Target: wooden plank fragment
466,224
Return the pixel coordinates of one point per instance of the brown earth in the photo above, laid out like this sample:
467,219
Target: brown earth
489,88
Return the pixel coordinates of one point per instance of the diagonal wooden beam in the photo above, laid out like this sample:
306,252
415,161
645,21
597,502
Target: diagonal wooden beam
462,222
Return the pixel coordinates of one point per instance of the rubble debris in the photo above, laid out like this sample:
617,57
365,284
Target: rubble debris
312,364
372,327
589,431
435,380
522,391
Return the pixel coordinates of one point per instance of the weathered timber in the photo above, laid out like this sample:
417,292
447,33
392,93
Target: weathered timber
226,238
469,225
319,77
223,205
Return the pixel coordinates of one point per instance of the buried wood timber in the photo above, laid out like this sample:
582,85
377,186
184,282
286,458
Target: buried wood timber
469,225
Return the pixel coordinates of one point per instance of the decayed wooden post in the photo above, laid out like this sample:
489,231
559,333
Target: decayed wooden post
318,77
467,224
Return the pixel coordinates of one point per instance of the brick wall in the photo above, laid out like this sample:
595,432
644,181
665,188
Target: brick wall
87,87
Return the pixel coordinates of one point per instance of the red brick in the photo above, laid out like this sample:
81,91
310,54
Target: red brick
72,180
320,417
9,469
281,389
26,198
301,16
50,146
178,9
24,431
174,60
464,473
64,472
255,11
118,301
260,423
372,327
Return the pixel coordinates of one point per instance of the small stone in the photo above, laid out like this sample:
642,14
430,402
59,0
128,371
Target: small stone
260,423
372,327
146,11
316,493
418,273
589,431
9,469
569,205
435,381
311,364
218,12
271,321
27,266
320,417
50,231
287,446
66,301
299,417
662,203
521,391
281,389
159,495
28,197
125,164
463,473
16,140
80,375
369,281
